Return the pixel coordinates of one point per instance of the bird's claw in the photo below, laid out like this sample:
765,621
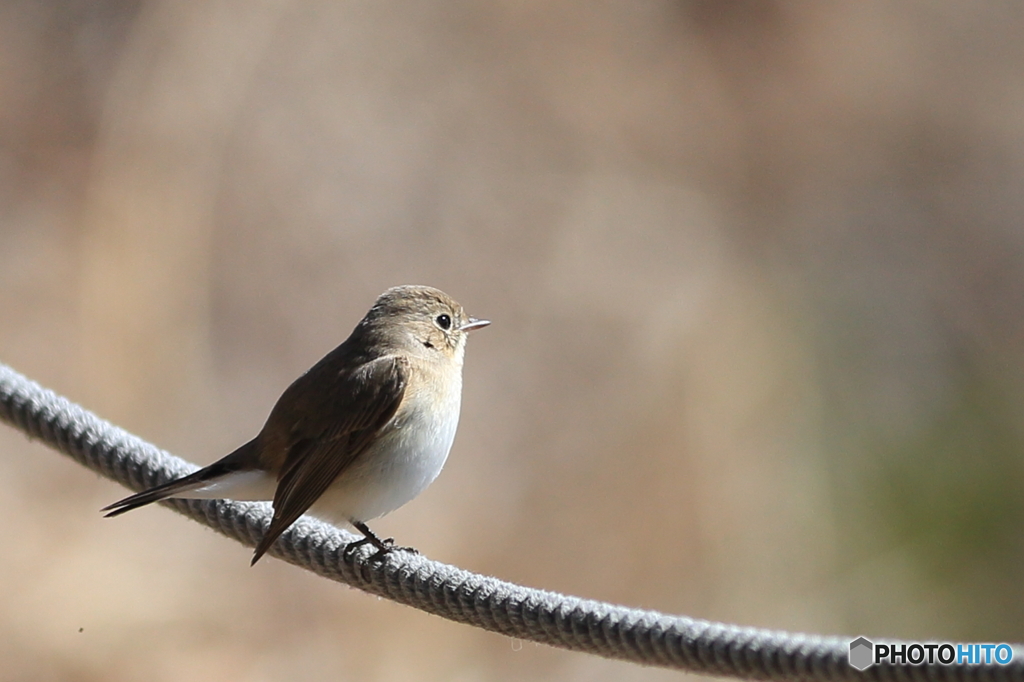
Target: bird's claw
384,547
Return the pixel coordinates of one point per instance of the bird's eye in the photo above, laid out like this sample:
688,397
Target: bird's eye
444,321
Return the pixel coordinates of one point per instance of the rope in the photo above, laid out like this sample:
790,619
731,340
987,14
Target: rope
646,637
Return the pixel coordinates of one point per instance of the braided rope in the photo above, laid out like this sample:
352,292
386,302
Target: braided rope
646,637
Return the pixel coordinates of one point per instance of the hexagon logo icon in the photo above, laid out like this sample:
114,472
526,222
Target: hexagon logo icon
862,653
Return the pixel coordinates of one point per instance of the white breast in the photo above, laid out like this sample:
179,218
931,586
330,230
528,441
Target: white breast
407,457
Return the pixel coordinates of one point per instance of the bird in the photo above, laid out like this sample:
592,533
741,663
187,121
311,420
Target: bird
361,433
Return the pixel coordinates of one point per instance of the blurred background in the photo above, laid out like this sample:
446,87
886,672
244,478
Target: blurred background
755,268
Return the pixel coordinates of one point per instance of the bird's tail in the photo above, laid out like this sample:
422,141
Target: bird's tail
239,460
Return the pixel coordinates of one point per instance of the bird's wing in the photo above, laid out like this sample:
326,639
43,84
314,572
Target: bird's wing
336,425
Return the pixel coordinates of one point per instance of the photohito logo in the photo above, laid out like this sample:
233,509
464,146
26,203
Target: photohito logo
864,653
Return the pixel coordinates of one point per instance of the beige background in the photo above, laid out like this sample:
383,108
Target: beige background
756,272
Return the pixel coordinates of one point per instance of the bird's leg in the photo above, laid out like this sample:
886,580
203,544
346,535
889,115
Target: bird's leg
369,537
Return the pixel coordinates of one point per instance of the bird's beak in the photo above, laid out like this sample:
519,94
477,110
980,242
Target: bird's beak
474,323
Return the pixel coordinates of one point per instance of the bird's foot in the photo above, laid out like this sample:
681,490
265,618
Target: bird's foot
384,547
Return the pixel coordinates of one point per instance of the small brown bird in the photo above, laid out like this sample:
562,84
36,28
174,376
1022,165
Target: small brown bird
361,433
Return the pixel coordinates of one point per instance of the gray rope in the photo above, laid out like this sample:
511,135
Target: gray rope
646,637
